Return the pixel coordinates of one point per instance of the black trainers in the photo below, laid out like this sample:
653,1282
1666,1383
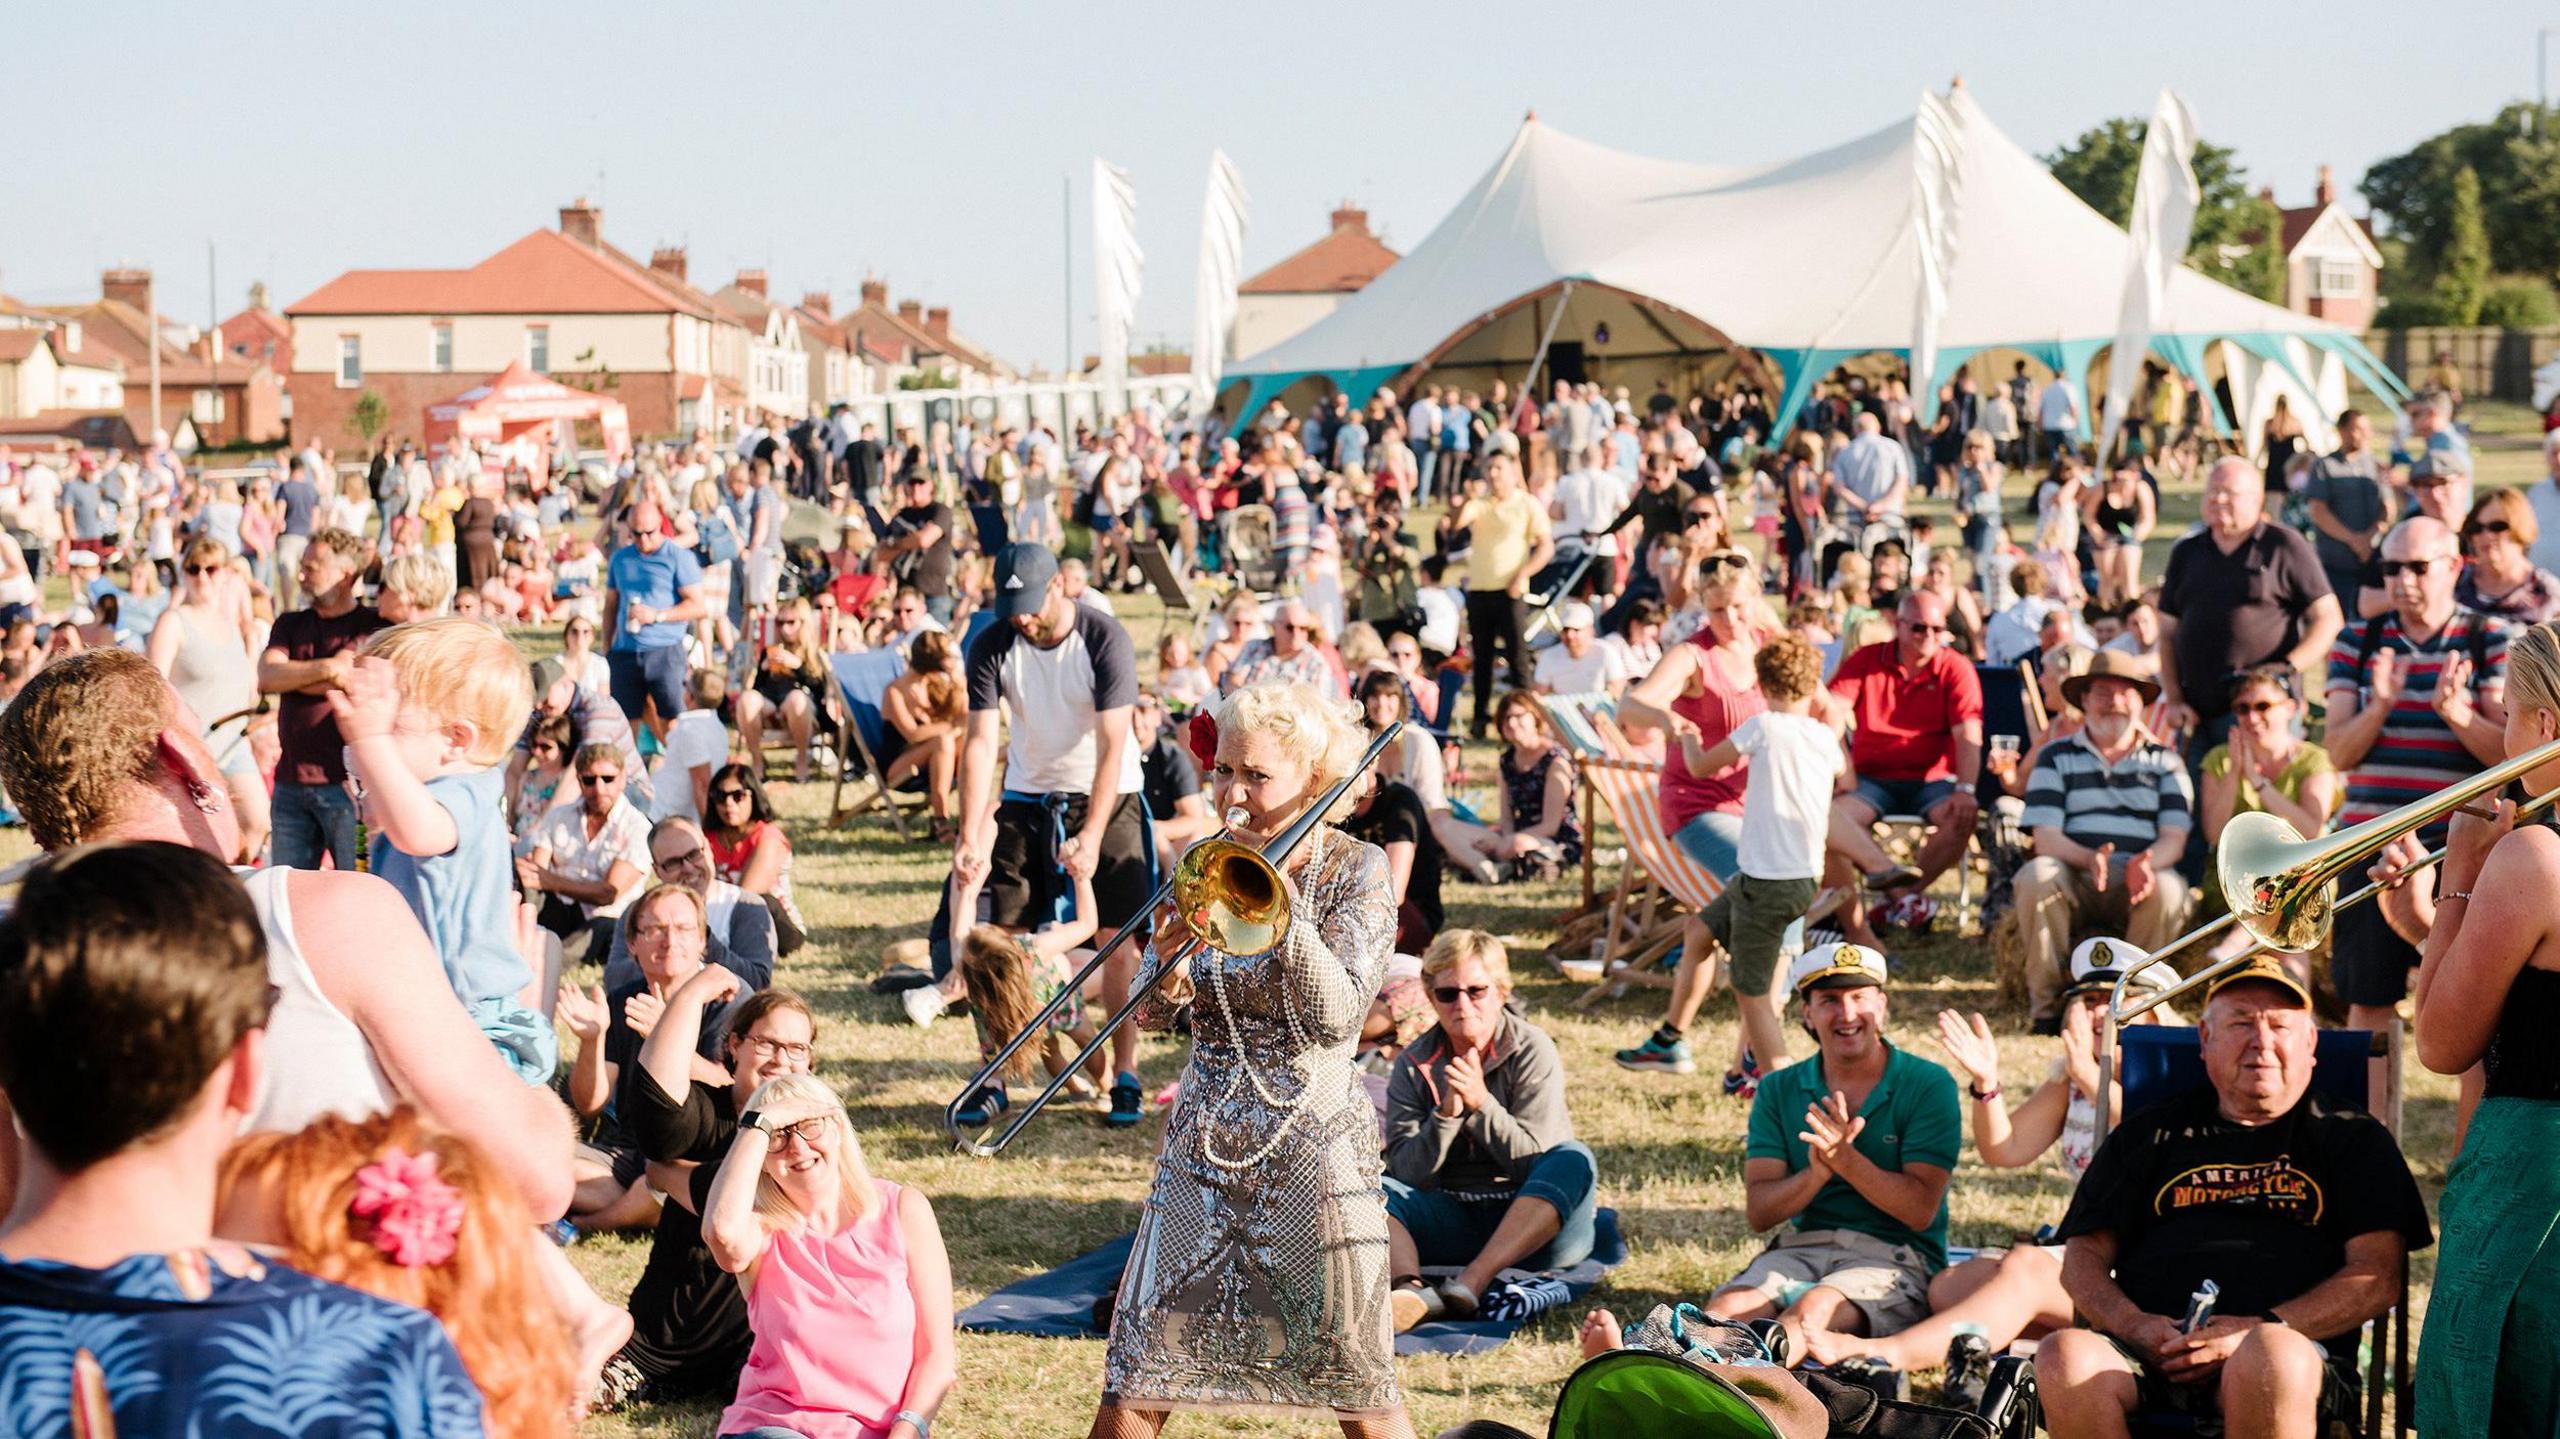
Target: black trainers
983,1107
1127,1102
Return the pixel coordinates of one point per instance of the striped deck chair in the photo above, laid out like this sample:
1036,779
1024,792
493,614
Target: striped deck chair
1586,723
1659,887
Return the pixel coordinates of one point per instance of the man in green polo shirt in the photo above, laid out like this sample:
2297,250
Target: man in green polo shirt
1851,1150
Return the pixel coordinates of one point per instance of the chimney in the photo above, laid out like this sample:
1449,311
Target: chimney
911,311
582,222
752,281
1351,217
2267,193
875,292
668,260
937,322
820,304
2328,191
258,295
133,287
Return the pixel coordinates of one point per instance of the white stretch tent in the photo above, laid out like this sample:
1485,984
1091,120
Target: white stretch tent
1811,262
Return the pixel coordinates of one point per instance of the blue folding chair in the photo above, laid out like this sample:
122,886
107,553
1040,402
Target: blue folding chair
861,678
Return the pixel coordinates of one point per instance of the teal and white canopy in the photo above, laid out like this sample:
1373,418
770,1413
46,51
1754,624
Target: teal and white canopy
1811,263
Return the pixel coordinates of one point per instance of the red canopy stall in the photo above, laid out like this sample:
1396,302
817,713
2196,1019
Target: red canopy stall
518,404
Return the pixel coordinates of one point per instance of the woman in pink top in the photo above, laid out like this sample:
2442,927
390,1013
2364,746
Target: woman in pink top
848,1287
1706,684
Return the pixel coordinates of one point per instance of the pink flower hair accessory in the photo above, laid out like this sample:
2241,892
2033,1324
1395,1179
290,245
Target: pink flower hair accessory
416,1213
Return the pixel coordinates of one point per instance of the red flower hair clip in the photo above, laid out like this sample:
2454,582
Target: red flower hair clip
1202,736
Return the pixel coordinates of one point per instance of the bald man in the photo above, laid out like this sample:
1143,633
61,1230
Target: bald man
2241,592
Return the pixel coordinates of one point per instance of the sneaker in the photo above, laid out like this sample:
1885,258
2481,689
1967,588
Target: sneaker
1968,1368
1414,1302
1127,1102
1486,872
923,1004
984,1107
1457,1300
1744,1082
1672,1058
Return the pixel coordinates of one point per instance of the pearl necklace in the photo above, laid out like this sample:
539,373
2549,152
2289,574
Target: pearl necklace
1244,1069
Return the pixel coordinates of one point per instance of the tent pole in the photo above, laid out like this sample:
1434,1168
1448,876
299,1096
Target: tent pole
1529,382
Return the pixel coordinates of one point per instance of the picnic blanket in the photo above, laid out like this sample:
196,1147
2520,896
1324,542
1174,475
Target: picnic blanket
1059,1303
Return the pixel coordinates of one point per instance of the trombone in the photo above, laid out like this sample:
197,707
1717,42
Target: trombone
1234,897
2278,885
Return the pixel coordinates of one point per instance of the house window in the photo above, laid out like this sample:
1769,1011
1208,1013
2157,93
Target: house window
444,349
350,361
2337,279
208,407
537,348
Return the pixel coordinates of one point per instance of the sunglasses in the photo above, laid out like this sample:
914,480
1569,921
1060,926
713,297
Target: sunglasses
1728,560
1450,993
723,796
2256,707
211,569
2484,527
1916,627
676,860
2392,568
597,781
806,1131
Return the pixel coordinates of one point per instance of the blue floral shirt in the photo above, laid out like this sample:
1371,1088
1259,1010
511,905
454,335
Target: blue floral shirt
273,1353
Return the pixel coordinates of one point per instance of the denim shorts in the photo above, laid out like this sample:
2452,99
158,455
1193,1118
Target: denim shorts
1712,841
1904,796
1450,1231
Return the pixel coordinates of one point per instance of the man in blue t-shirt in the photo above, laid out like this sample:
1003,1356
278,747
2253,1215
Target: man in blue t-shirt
1851,1150
111,1257
652,591
300,496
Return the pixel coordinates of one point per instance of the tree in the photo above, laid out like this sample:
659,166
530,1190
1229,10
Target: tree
2515,157
2462,269
2101,167
2255,261
368,416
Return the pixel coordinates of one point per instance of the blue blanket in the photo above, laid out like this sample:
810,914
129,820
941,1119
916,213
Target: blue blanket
1059,1304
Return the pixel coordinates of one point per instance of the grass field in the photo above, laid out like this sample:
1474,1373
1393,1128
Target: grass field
1669,1149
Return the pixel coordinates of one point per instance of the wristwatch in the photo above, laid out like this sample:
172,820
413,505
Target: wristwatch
753,1119
924,1426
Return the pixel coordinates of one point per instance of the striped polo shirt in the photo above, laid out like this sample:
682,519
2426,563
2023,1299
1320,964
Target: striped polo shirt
2417,753
2092,802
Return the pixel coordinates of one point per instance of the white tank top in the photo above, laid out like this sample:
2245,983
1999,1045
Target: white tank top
317,1060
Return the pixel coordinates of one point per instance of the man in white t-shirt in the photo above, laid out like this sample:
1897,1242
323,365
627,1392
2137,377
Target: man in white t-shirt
1064,677
1577,664
697,744
1587,497
1786,815
1422,427
2058,414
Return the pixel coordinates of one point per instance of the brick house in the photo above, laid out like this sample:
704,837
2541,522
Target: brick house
914,339
565,302
228,400
2333,270
1305,287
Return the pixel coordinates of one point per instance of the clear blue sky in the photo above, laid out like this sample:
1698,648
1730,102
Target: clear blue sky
928,142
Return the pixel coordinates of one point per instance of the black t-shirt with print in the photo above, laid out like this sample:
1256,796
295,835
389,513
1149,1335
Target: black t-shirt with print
2265,1212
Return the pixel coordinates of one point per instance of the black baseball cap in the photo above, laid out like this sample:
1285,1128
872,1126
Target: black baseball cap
1023,573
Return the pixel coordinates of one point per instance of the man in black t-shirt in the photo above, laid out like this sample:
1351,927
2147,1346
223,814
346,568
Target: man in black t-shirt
863,461
1170,779
2303,1212
2241,592
918,540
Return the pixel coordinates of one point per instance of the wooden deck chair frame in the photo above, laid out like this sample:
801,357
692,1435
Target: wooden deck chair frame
1578,719
880,796
1659,886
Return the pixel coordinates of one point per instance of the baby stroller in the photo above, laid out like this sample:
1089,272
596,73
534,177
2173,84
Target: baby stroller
1249,540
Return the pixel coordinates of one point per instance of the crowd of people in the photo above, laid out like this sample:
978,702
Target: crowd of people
434,958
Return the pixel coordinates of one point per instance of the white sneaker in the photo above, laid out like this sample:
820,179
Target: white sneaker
924,1004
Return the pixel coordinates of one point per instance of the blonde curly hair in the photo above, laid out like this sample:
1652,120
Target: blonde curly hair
1322,732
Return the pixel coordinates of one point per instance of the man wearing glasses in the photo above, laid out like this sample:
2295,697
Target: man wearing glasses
1915,746
2416,702
739,926
588,857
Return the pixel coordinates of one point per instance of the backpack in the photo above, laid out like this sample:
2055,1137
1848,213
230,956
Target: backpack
2475,641
719,542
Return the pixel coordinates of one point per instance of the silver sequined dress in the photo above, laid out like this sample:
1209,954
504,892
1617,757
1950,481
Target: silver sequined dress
1259,1275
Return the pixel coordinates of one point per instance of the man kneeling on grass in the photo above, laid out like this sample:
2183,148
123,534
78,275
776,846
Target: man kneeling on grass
1853,1147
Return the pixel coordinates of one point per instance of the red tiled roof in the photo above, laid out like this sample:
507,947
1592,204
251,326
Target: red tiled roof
251,324
543,273
2299,220
115,329
17,344
1347,258
885,354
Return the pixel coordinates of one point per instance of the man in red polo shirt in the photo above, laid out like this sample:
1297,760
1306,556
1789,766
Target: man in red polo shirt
1915,746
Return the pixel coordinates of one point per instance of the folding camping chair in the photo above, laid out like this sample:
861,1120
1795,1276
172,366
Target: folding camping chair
2161,1061
859,680
1576,719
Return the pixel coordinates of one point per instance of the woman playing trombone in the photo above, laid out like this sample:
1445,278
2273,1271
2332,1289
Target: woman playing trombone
2489,995
1258,1279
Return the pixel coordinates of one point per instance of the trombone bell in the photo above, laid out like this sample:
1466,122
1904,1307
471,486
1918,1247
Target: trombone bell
2278,886
1231,896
